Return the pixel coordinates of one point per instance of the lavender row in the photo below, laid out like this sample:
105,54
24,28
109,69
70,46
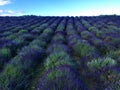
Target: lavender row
99,68
111,32
18,72
61,69
11,46
101,45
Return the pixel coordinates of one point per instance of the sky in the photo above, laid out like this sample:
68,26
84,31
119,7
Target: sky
59,7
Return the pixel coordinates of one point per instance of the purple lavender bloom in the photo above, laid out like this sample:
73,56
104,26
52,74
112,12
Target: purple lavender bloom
61,78
57,47
4,42
30,56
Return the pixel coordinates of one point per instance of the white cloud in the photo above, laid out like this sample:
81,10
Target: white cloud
94,12
4,2
100,12
11,13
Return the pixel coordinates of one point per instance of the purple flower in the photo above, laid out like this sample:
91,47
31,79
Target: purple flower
61,78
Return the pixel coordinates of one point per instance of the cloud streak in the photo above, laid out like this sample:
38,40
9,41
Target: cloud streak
4,2
11,13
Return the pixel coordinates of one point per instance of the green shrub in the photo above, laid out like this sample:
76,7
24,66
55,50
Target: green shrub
115,41
99,33
97,42
102,67
22,31
57,48
48,30
38,42
70,32
5,56
95,30
58,58
70,27
9,75
44,25
5,52
60,28
19,44
113,28
27,37
54,74
36,31
83,49
17,73
33,26
92,28
12,36
86,24
100,63
7,33
58,37
115,55
85,34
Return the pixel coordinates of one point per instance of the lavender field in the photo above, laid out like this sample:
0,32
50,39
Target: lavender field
60,53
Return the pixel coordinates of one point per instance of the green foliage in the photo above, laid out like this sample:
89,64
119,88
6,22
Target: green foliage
58,37
7,33
38,42
115,41
58,58
112,29
95,30
27,37
5,55
18,72
86,24
57,48
92,28
107,74
54,74
85,34
11,70
74,40
36,31
71,32
10,74
99,33
115,55
5,52
60,28
44,25
19,43
33,26
48,30
83,49
97,41
100,63
70,27
22,31
12,36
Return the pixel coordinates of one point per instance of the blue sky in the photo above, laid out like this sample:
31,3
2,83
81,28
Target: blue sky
59,7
